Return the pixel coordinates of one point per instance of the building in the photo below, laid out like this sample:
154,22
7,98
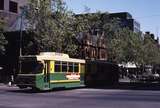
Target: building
92,47
10,10
126,20
156,39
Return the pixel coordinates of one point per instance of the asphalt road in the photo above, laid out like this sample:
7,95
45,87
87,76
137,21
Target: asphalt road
12,97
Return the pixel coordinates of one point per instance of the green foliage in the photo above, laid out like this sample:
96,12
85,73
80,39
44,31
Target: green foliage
40,24
120,46
123,45
53,28
127,46
88,22
151,51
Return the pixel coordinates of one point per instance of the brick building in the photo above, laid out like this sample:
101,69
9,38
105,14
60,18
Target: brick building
92,47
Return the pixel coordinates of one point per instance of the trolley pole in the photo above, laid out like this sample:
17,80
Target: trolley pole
20,39
20,47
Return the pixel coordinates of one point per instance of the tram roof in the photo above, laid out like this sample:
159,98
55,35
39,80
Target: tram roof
54,56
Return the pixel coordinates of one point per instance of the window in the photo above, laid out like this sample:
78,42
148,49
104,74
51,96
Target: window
70,67
82,67
64,66
13,7
1,4
76,67
31,67
57,66
73,67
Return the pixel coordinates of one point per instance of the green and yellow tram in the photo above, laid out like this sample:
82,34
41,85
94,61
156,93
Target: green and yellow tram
50,70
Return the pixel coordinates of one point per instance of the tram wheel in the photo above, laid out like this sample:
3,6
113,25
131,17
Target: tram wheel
35,89
22,87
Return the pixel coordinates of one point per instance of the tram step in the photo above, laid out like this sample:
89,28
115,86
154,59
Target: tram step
46,88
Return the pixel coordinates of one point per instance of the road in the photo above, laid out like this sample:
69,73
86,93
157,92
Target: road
12,97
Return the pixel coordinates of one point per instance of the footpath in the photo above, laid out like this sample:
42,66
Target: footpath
7,85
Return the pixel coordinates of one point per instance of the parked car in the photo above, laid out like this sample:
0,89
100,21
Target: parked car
150,78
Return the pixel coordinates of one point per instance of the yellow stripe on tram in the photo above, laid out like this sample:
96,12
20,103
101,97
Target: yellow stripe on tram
64,81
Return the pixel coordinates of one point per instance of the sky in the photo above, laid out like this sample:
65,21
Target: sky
146,12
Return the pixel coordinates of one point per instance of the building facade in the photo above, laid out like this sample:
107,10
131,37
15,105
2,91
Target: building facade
93,47
10,10
126,20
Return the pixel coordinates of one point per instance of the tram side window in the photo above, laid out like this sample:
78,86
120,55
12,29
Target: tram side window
57,66
73,67
64,66
76,67
82,68
70,65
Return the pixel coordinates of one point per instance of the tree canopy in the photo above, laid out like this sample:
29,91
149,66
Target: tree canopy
127,46
52,26
55,28
123,45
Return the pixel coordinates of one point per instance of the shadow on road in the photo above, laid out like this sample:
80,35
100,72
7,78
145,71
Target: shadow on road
29,90
23,91
121,85
131,86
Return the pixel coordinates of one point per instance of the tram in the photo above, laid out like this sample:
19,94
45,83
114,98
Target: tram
50,70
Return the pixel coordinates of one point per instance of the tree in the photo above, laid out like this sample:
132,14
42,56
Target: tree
129,47
89,22
52,26
3,41
125,46
151,51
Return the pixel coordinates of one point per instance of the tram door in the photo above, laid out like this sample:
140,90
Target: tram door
47,74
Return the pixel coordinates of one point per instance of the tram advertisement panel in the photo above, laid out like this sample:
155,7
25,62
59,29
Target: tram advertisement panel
73,76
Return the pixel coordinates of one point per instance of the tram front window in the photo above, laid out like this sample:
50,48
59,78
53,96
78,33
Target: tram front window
31,67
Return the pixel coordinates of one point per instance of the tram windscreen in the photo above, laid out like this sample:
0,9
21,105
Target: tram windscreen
31,67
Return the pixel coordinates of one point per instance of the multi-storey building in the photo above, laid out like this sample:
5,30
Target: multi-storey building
126,20
10,10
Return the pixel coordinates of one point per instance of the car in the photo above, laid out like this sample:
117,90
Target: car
150,78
